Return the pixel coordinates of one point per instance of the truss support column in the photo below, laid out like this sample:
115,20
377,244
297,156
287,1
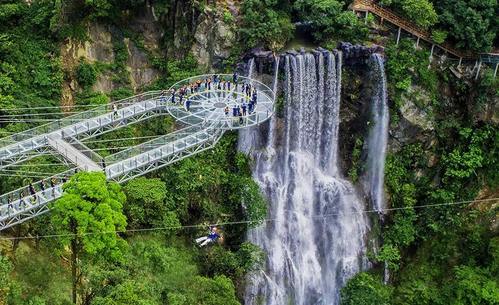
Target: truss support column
478,70
382,19
398,35
460,61
417,43
495,70
367,15
431,52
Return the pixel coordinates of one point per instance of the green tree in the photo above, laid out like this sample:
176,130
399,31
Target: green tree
86,217
474,285
147,204
206,291
263,24
420,12
5,270
86,74
472,25
330,21
439,36
365,289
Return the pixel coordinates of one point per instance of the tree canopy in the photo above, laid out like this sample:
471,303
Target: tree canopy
472,25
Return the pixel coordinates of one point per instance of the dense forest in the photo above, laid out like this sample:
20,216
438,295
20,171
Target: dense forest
446,254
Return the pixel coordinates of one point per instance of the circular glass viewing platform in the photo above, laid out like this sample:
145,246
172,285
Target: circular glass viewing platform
221,102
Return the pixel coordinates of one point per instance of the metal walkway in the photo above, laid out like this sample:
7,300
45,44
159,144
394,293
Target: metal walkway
205,126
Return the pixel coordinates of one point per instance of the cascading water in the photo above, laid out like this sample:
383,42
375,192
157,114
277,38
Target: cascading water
378,136
317,239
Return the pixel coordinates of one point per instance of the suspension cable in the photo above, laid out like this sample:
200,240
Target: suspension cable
324,216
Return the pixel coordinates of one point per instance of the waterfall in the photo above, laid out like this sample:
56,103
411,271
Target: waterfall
316,241
378,136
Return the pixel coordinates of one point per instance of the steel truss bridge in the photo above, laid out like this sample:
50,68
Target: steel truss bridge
202,112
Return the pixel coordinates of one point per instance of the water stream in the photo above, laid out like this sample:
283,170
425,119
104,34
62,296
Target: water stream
317,240
378,136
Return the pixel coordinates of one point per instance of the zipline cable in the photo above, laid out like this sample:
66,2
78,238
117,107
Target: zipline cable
243,221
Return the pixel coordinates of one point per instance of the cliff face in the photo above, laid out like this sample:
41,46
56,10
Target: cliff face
150,33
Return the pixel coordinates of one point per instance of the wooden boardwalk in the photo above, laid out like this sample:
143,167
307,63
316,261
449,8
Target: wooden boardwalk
369,6
402,23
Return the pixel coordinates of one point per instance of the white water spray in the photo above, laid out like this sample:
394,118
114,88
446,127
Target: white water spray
309,258
378,136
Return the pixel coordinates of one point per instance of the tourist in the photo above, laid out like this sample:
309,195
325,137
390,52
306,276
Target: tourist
52,185
240,114
235,78
188,104
244,108
115,110
42,186
234,110
210,238
9,203
173,95
32,189
226,110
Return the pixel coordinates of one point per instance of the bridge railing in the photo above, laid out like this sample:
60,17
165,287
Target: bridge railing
152,144
11,202
165,150
72,119
92,155
265,101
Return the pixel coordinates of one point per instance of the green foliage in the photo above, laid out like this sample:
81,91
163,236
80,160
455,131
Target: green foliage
100,8
86,74
472,25
365,289
390,255
147,204
30,284
330,22
215,185
354,170
227,17
439,36
205,291
263,24
10,10
248,258
153,273
121,93
90,205
475,286
407,67
5,270
420,12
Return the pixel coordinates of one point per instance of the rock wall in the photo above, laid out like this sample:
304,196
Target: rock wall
182,29
100,47
213,39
